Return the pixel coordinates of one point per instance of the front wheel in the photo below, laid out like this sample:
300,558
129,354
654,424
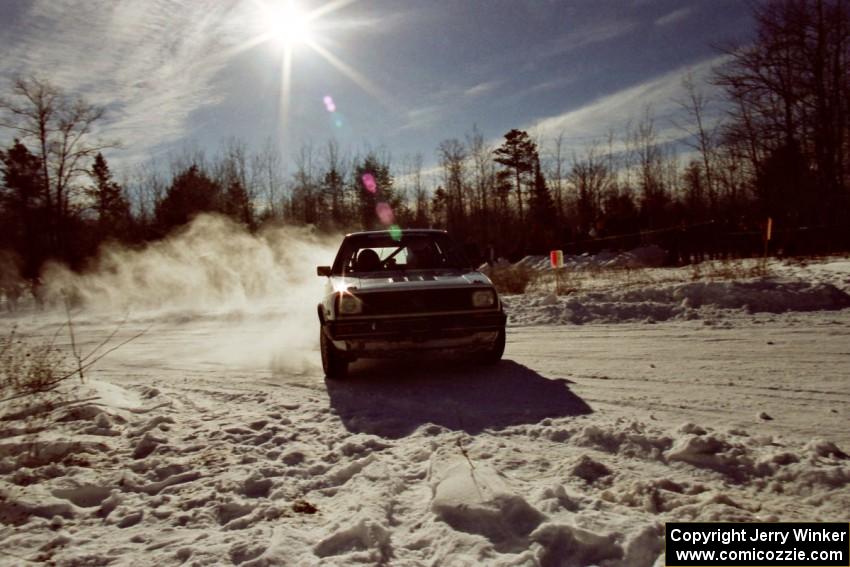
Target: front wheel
495,352
334,362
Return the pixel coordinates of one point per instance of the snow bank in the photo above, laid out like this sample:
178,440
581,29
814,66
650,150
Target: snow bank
662,302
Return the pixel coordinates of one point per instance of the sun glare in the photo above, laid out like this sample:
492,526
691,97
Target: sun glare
288,25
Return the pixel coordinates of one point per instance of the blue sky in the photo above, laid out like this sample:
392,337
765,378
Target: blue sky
403,75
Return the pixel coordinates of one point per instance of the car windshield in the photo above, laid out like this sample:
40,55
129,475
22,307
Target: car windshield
369,253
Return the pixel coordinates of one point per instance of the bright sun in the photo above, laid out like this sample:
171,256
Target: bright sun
284,23
288,25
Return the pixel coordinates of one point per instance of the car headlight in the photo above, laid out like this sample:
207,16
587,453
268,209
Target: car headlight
483,298
349,305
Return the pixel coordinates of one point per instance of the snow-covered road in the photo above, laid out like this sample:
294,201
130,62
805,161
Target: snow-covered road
210,440
795,369
797,373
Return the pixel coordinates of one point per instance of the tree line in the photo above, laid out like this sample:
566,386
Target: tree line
781,151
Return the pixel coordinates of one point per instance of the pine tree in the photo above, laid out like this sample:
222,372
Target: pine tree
191,192
541,212
108,201
332,193
518,153
24,213
238,205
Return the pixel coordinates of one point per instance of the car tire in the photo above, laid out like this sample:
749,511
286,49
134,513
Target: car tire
334,362
495,352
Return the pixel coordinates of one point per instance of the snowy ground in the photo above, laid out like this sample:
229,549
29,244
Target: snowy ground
213,439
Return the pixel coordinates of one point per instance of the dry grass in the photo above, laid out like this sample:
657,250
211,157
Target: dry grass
597,278
32,369
730,269
511,279
30,366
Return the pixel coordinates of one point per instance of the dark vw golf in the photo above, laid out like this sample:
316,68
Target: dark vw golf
393,292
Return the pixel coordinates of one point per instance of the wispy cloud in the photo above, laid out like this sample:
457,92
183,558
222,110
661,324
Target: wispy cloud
577,36
550,84
675,16
611,113
423,117
481,88
540,87
150,63
445,101
592,33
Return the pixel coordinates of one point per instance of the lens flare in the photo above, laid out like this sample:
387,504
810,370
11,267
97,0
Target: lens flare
385,213
341,286
336,120
395,232
369,183
330,106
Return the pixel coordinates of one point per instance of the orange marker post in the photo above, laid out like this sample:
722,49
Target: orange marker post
556,259
768,234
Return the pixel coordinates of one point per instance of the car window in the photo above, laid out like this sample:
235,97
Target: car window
399,257
387,258
381,253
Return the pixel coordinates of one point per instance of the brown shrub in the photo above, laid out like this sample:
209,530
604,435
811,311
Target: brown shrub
510,279
29,367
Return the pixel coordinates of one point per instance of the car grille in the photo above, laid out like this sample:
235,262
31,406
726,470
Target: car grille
416,301
438,326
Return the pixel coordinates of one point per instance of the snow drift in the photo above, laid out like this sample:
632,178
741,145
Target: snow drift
687,301
238,476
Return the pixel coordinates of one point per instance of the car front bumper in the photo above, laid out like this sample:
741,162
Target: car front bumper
388,336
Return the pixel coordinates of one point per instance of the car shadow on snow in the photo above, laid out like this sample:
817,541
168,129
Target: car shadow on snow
393,398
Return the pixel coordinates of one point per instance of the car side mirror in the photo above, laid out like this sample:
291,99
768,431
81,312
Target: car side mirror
323,271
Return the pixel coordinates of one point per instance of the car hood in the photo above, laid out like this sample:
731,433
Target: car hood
413,279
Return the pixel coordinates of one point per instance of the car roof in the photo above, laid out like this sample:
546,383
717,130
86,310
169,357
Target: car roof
405,231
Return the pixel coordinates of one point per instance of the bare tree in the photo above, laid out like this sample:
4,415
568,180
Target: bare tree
648,156
306,200
61,129
590,178
268,176
420,195
483,180
147,188
557,161
189,155
452,155
702,136
231,171
789,90
333,184
231,164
